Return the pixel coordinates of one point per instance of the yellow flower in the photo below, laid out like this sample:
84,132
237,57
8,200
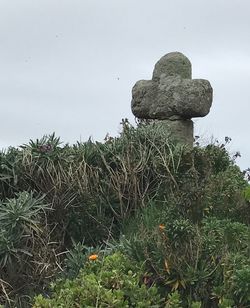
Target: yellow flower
93,257
161,227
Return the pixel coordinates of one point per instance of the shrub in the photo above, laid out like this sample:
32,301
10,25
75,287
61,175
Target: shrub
174,300
114,281
236,280
183,209
185,256
224,235
10,172
240,285
23,245
76,258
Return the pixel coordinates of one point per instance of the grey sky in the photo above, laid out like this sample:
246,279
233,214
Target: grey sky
69,66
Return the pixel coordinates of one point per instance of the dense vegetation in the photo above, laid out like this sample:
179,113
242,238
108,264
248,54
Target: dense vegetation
135,221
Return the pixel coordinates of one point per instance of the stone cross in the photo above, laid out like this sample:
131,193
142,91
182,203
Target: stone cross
173,97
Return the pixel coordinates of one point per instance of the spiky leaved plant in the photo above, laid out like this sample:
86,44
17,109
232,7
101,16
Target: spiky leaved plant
22,221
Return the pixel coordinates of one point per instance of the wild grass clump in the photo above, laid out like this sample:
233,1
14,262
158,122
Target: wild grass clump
181,212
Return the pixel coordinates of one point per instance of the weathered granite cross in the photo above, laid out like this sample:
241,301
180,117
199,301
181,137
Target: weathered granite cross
173,97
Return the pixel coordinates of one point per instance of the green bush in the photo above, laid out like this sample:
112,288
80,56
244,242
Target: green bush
188,257
240,285
181,210
114,281
23,245
236,280
10,172
213,186
223,235
20,221
174,300
76,258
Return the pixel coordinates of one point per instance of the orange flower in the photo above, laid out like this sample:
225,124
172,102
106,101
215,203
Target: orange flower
93,257
161,227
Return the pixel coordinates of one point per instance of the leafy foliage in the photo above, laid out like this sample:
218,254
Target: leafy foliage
188,257
114,281
184,213
22,239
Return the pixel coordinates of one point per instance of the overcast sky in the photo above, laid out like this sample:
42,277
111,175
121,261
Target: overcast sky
68,66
